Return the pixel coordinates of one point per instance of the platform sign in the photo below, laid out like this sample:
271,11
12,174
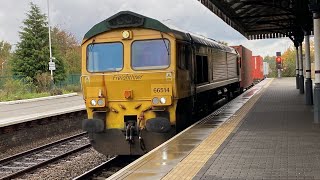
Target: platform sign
52,66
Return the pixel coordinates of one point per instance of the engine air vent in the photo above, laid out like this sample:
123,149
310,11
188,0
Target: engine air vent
126,19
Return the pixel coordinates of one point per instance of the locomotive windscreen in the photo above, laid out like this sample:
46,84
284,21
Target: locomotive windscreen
105,57
150,54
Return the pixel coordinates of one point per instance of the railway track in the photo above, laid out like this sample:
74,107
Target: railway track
19,164
107,168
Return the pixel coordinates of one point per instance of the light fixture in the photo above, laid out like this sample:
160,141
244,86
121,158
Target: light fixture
93,102
163,100
155,100
100,102
126,34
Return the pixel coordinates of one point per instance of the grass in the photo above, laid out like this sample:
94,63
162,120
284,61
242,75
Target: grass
18,96
17,89
23,89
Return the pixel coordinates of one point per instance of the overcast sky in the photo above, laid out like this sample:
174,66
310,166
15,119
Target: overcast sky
78,16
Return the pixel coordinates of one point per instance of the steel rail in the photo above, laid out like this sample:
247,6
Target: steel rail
104,170
16,171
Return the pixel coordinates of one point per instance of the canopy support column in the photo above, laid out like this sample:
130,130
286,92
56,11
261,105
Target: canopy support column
301,77
309,93
297,67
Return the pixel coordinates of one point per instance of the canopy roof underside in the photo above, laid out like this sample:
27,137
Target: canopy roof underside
263,19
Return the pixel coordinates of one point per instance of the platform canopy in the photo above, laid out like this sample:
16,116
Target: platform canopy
264,19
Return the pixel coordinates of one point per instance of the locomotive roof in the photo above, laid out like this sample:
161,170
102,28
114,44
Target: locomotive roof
130,19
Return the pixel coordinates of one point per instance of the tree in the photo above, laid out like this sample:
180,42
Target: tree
311,49
272,65
32,53
5,55
289,62
68,48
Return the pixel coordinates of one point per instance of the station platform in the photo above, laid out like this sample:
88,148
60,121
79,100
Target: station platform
266,133
15,112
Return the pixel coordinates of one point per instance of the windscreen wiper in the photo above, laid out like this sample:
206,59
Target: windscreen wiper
167,48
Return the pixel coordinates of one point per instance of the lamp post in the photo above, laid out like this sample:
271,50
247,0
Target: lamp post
51,63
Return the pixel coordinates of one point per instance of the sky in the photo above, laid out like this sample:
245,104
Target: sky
78,16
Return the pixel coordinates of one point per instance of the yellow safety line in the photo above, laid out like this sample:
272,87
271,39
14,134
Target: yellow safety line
191,165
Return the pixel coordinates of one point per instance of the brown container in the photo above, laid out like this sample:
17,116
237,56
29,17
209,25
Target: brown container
246,68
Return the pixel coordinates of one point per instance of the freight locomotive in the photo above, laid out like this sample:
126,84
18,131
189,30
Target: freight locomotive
142,81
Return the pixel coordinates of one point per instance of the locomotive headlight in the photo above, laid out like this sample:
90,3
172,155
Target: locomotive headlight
93,102
163,100
126,34
100,102
155,100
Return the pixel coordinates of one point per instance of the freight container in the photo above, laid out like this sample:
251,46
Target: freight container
257,71
265,69
245,67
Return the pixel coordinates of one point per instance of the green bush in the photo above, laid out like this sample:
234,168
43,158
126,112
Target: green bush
16,89
28,84
72,88
12,86
56,91
43,82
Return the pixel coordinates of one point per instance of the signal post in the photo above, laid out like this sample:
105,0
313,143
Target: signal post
279,63
298,39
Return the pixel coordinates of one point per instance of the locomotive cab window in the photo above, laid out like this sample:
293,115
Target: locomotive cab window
105,57
150,54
